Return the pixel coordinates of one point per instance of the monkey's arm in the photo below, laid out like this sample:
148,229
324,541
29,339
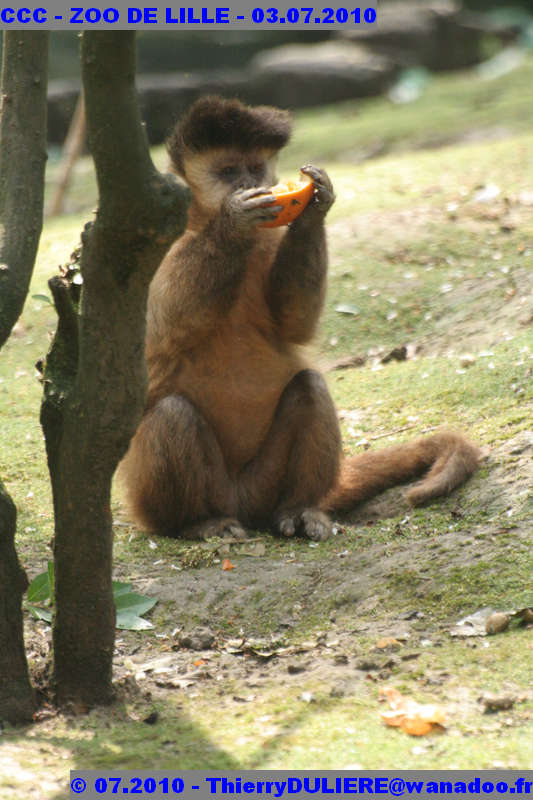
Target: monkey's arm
200,277
297,281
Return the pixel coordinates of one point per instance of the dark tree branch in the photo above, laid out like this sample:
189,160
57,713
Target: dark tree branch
116,134
22,160
94,396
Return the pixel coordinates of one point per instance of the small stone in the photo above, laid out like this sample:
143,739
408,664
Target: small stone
200,639
495,703
368,665
522,443
410,656
413,614
295,669
340,659
467,360
497,623
397,354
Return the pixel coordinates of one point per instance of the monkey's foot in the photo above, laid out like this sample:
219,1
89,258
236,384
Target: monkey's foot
310,522
223,528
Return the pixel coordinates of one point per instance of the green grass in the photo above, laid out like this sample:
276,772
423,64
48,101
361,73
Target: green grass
423,263
453,107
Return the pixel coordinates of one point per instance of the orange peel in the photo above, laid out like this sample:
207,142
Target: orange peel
294,196
416,719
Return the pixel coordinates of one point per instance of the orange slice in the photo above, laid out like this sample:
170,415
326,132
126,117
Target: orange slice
293,196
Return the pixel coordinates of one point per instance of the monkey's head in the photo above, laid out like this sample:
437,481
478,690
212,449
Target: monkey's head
221,145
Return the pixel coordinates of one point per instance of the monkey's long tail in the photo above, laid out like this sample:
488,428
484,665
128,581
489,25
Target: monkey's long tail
446,457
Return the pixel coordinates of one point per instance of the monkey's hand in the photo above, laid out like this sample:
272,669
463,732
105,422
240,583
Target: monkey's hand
324,196
246,208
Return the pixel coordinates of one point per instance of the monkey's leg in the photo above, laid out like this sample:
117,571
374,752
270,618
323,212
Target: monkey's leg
298,462
176,474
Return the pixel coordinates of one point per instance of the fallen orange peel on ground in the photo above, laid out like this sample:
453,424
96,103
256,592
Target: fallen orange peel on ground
416,719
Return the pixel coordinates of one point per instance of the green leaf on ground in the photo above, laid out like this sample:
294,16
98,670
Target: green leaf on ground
129,605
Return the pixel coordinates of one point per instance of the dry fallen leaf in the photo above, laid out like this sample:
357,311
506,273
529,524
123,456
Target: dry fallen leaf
416,719
486,193
387,643
227,565
255,549
347,308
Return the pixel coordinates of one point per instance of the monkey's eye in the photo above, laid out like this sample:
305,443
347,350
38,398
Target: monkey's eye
229,173
258,169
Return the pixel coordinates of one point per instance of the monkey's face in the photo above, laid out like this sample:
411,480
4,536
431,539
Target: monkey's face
216,173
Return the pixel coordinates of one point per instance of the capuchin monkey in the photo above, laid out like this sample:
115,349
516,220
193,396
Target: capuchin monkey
239,431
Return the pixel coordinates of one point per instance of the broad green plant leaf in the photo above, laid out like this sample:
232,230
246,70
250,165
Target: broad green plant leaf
120,588
127,621
40,613
129,605
39,589
134,603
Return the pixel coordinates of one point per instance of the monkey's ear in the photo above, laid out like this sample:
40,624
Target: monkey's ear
214,122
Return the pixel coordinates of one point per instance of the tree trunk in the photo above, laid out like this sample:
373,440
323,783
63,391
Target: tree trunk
95,373
22,161
17,701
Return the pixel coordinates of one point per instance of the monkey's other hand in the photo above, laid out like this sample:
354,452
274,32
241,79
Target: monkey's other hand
324,196
246,208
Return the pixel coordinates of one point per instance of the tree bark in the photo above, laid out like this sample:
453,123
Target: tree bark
94,375
22,162
17,700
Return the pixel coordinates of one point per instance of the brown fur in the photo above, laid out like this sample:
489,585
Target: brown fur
445,459
212,123
238,430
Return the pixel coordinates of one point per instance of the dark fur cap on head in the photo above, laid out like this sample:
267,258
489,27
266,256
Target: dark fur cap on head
213,122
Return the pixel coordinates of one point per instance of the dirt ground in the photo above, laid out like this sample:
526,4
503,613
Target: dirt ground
269,598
